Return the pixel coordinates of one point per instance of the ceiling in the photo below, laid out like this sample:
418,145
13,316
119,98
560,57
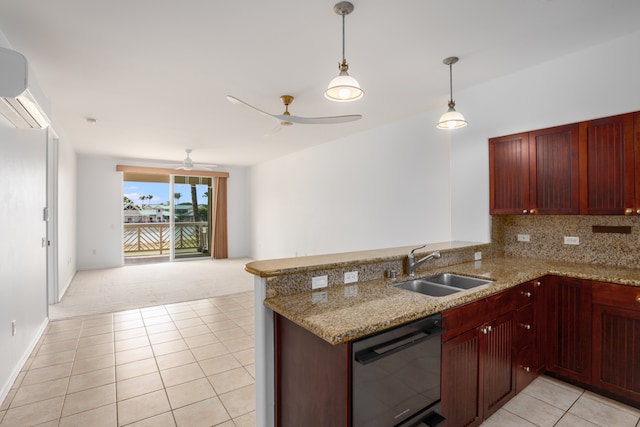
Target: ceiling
154,73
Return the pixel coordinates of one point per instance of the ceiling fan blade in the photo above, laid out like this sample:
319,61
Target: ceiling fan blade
329,120
237,101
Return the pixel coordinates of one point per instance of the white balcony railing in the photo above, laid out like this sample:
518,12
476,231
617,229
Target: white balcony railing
154,238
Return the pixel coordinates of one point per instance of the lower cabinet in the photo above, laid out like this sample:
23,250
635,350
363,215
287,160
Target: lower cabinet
306,365
477,359
569,329
581,331
616,340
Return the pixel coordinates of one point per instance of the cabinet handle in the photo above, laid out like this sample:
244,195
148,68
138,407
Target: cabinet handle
486,330
532,211
524,211
637,299
526,369
628,211
527,294
538,283
638,212
526,326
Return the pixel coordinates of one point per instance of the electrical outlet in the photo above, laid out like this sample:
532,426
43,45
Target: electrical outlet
350,277
477,256
524,238
571,240
319,282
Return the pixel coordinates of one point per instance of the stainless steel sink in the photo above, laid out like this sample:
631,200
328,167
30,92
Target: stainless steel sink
427,288
442,284
456,281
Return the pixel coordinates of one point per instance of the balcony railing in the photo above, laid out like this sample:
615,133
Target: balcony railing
154,238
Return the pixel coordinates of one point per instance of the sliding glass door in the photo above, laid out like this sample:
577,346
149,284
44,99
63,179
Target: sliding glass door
165,217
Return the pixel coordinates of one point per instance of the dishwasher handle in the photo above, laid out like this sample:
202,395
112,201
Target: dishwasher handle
377,352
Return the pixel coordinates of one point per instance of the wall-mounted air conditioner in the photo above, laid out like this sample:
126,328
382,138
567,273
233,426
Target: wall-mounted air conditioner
17,104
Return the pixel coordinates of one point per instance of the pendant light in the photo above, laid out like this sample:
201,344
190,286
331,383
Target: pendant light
451,119
343,88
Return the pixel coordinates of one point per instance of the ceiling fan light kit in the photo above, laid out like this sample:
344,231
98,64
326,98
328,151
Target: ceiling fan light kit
343,88
451,119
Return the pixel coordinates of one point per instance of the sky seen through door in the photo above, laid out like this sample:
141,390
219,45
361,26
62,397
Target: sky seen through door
160,192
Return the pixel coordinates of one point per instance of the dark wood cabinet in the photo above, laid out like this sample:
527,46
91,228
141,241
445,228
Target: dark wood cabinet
581,331
306,365
460,389
607,166
530,332
477,359
535,172
616,339
569,345
509,174
496,363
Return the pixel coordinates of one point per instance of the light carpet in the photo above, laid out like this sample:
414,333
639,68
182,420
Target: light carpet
136,286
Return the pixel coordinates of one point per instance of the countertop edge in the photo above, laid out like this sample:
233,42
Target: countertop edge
287,266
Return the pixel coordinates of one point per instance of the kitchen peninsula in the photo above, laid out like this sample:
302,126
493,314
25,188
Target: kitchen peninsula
341,313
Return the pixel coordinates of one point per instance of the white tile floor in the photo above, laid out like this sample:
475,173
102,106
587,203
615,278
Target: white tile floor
549,402
186,364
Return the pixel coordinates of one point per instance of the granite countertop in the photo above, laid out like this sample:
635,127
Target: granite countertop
344,313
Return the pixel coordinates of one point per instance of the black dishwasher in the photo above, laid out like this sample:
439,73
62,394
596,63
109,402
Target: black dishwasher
395,378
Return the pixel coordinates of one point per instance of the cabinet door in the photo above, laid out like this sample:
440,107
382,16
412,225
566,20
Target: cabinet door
570,328
509,174
607,160
554,173
496,363
312,378
460,391
616,346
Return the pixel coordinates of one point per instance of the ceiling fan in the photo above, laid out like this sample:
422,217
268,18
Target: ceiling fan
188,164
286,119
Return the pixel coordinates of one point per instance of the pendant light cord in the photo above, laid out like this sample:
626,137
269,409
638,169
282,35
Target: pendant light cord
450,84
343,55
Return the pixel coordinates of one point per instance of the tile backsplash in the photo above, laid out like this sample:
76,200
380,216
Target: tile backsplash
547,233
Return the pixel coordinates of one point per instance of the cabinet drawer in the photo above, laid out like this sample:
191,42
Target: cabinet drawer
524,294
460,319
621,296
524,326
526,368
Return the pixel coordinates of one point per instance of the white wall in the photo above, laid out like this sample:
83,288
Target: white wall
601,81
99,212
23,280
393,185
381,188
23,259
66,214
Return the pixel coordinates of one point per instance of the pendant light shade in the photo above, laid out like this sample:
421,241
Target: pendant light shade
451,119
343,88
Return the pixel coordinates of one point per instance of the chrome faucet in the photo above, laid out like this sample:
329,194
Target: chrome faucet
412,264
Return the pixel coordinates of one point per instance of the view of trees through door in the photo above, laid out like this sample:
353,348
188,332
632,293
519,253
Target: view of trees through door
166,217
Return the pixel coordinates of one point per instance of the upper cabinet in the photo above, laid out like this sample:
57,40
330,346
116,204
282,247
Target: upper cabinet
535,172
608,163
588,168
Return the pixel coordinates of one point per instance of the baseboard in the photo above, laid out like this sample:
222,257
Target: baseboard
4,391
